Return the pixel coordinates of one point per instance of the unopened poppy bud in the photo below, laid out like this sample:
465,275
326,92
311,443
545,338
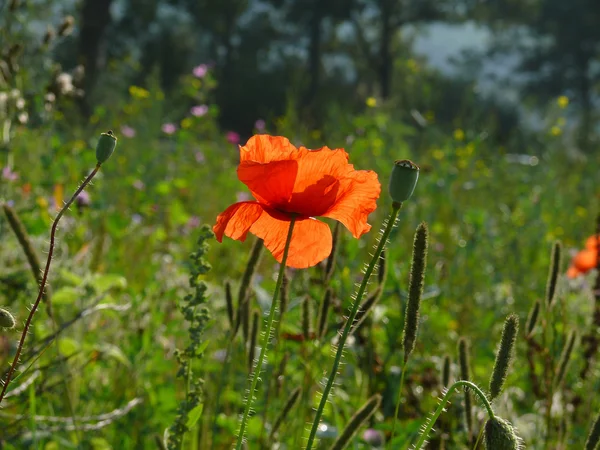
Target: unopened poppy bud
6,319
105,147
403,180
500,435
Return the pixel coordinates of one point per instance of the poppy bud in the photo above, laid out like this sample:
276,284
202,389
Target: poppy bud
500,435
105,147
6,319
403,180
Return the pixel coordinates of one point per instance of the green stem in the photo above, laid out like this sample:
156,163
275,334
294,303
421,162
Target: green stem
431,421
266,337
44,280
398,401
342,342
479,436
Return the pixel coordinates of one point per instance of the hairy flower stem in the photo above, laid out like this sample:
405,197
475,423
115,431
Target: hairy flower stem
431,421
44,279
398,401
266,338
396,206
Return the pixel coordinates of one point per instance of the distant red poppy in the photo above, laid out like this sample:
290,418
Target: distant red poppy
296,182
585,260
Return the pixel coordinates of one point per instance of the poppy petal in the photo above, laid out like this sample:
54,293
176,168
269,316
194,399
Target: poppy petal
263,148
356,199
592,242
318,180
311,239
586,260
270,183
236,220
572,272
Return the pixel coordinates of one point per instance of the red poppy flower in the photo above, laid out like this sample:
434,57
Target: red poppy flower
296,182
585,260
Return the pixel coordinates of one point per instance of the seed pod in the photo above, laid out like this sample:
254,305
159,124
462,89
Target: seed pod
306,318
330,264
500,435
594,437
555,260
32,257
324,314
415,289
289,404
532,318
403,180
253,339
105,147
285,296
446,371
359,417
245,315
229,303
251,266
382,272
463,358
6,319
504,356
564,358
365,308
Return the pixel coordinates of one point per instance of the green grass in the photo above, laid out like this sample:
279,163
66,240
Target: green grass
124,261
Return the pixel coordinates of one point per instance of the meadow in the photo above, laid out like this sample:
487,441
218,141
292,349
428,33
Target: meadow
150,331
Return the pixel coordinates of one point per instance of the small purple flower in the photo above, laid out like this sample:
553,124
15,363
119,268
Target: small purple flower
9,175
242,196
139,185
136,219
233,137
260,125
193,222
169,128
127,131
373,437
199,110
83,199
200,71
200,157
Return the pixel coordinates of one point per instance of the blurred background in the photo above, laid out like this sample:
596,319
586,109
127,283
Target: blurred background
496,100
502,63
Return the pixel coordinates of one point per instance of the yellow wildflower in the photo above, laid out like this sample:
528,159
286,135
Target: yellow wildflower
371,102
187,123
138,92
563,101
555,131
459,134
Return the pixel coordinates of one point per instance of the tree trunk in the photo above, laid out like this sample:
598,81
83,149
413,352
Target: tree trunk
386,60
314,55
95,17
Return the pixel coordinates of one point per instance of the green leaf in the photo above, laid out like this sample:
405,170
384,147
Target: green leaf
100,444
68,347
114,352
105,282
66,296
194,416
70,278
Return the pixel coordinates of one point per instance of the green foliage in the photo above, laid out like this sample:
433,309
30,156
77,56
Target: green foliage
196,312
494,193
